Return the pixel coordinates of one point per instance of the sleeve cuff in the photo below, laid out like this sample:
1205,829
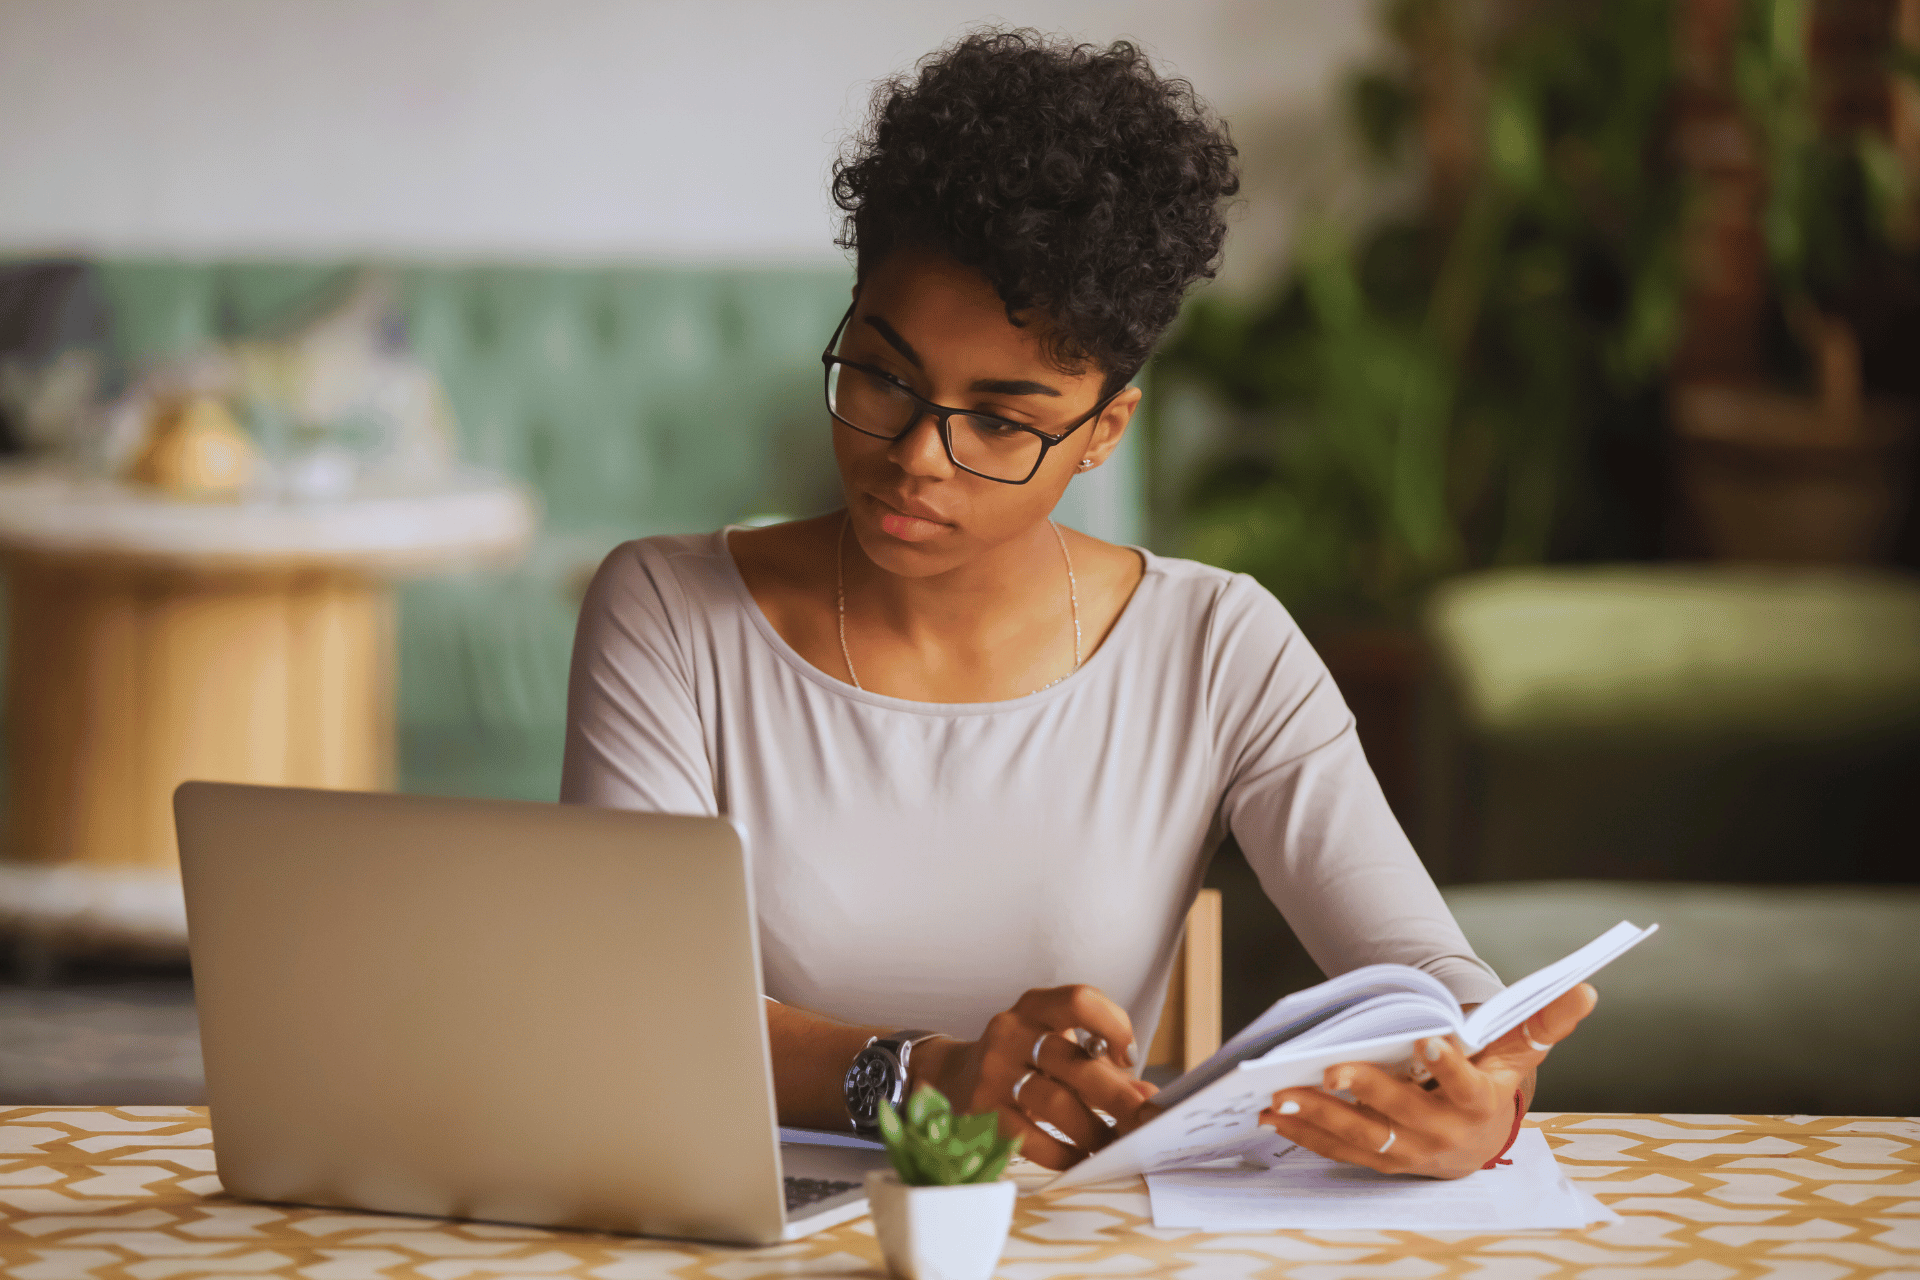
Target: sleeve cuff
1470,981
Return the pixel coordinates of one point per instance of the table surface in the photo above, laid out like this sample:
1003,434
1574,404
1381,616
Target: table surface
474,517
129,1193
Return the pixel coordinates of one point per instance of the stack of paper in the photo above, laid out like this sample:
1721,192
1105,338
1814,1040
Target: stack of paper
1301,1190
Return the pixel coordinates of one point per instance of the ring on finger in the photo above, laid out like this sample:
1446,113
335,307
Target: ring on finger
1033,1058
1382,1148
1092,1044
1533,1044
1020,1084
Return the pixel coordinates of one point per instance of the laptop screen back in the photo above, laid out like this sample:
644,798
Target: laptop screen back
483,1009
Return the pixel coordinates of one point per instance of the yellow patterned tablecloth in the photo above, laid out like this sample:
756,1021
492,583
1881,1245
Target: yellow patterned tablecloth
128,1193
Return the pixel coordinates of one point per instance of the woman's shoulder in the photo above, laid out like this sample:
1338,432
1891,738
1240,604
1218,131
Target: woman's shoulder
1188,591
718,572
670,552
666,572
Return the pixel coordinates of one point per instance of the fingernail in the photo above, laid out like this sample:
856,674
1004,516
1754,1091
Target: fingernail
1342,1079
1433,1047
1133,1055
1289,1108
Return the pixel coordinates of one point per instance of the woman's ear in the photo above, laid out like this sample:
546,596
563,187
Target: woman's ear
1111,425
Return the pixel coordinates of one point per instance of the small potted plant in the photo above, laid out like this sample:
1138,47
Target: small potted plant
942,1212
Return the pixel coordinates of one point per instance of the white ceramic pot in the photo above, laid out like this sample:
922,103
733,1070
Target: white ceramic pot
940,1233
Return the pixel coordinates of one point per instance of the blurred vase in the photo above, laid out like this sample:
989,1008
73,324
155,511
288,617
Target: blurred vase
1773,476
194,449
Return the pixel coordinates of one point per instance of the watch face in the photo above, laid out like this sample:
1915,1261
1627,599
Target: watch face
874,1075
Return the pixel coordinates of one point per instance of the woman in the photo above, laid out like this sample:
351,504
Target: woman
978,754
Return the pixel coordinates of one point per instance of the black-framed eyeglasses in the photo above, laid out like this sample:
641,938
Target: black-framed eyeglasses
875,403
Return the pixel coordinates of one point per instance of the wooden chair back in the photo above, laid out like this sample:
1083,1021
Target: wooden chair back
1189,1030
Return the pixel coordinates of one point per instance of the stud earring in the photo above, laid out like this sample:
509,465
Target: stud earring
1086,464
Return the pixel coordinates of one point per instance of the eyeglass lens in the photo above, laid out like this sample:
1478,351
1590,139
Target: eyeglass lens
878,407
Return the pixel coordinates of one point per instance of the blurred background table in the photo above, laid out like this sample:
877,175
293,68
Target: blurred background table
131,1191
154,640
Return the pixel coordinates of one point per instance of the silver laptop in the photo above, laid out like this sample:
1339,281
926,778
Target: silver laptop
524,1013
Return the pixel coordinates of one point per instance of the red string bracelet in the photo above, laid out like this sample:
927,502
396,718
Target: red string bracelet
1519,1114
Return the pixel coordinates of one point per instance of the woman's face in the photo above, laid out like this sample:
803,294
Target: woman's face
940,329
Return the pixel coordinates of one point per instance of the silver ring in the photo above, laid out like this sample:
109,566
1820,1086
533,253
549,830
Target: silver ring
1033,1058
1092,1044
1382,1148
1021,1084
1535,1045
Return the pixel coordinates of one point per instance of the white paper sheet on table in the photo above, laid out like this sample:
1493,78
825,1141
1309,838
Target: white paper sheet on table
1305,1191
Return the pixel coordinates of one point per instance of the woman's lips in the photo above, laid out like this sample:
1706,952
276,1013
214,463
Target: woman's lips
899,524
909,528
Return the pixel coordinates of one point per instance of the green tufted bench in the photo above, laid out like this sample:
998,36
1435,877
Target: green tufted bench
1675,722
634,399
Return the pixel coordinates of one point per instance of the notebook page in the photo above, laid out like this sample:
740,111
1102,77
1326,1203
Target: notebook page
1543,986
1387,1015
1292,1015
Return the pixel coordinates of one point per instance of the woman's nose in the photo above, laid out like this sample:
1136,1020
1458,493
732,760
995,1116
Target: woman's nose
920,451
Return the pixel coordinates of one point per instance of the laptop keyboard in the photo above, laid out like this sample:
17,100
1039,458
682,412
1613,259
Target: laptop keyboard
802,1192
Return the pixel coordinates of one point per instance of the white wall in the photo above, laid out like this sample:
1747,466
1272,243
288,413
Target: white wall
547,128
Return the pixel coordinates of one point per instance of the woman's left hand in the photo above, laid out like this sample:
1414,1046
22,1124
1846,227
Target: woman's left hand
1448,1131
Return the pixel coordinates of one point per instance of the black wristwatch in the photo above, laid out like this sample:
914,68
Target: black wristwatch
879,1071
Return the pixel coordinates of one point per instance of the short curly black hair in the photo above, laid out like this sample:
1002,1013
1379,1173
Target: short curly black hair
1080,182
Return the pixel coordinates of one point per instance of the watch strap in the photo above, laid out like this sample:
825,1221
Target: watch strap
903,1044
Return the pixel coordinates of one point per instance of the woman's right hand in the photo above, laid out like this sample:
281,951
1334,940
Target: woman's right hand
1064,1085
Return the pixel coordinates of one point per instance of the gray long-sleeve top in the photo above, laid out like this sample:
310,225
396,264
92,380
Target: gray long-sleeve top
923,864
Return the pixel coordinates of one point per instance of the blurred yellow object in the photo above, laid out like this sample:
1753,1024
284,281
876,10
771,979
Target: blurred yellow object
194,450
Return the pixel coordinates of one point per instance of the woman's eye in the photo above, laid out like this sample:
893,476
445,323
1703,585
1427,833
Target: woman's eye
994,426
885,384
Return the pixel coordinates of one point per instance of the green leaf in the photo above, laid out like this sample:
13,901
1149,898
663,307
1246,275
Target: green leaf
1513,138
899,1150
891,1130
926,1103
997,1163
906,1166
972,1127
934,1147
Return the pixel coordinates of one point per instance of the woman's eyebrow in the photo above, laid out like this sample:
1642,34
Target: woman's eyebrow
986,386
895,341
1005,387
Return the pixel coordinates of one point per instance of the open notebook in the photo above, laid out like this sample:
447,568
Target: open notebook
1375,1014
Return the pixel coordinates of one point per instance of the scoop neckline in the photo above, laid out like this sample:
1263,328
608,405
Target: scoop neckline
1150,567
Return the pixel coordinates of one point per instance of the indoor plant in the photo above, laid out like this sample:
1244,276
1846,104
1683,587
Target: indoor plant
1467,377
942,1211
1802,451
1464,380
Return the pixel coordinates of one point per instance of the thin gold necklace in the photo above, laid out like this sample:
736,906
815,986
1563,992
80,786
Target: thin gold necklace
840,601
